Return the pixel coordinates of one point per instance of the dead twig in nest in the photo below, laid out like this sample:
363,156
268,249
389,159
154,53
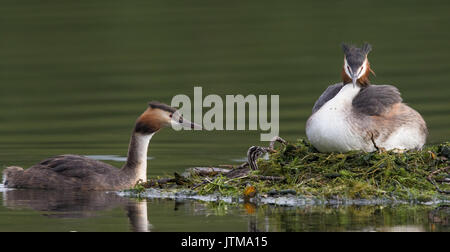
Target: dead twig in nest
239,171
178,179
432,181
273,178
208,171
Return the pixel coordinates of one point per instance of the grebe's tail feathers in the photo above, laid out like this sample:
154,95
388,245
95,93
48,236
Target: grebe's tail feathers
10,173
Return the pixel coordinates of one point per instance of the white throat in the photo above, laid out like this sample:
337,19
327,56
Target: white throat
345,95
138,154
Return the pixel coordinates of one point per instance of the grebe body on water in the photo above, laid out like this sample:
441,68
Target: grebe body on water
81,173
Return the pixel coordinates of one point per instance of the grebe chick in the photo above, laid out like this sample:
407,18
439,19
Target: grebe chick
81,173
355,115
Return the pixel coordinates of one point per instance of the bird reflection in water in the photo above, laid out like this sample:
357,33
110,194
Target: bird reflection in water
69,204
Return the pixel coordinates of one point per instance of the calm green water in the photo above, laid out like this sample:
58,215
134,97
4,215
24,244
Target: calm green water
74,75
53,211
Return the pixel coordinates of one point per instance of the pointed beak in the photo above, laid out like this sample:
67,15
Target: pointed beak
178,119
354,79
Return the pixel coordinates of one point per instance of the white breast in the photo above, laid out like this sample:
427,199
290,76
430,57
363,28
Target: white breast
141,148
329,129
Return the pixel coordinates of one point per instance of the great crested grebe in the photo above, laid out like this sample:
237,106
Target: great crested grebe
81,173
355,115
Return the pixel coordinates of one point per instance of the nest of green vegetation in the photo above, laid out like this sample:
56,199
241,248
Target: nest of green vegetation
299,169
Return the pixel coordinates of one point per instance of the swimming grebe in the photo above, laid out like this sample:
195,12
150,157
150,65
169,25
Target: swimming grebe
81,173
355,115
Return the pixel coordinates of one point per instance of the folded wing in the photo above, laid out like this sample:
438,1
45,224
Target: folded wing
376,99
327,95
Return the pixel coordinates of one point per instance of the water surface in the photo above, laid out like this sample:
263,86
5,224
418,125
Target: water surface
34,210
74,76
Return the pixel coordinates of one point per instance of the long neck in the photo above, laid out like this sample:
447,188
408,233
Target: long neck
137,156
347,93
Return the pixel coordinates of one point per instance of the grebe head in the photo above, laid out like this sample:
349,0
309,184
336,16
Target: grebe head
159,115
356,65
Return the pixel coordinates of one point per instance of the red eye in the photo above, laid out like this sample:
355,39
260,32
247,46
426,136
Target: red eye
171,115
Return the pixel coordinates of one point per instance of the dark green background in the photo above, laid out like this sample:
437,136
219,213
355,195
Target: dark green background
74,75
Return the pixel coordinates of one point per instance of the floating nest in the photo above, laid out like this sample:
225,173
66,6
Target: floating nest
299,169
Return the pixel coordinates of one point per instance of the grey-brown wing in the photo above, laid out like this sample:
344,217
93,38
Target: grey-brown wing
327,95
75,166
376,99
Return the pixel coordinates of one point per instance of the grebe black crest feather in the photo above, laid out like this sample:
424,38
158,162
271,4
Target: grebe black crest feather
352,49
162,106
354,55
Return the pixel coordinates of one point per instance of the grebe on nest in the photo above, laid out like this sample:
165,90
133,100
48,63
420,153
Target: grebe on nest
81,173
355,115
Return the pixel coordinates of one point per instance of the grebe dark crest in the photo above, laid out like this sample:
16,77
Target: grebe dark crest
81,173
355,115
